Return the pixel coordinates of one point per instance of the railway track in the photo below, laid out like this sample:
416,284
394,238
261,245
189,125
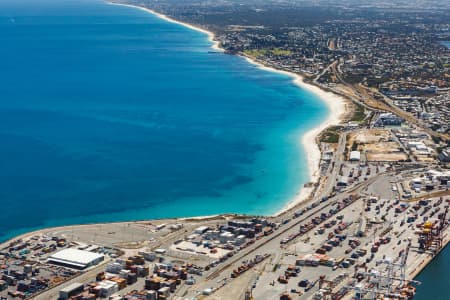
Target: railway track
277,234
429,195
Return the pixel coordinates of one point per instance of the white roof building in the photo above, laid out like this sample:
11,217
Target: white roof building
355,156
75,258
106,288
201,229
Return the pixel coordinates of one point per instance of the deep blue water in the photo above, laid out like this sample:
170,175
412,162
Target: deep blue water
435,278
447,44
109,113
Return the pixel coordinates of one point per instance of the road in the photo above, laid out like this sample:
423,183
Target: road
384,104
334,173
53,293
429,195
271,244
405,115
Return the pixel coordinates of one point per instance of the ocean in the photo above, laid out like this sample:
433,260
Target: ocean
109,113
435,278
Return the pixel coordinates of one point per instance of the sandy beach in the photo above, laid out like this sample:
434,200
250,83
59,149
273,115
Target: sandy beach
335,103
215,44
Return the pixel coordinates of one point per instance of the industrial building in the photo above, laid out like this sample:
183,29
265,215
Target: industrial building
71,290
355,156
388,119
343,181
75,258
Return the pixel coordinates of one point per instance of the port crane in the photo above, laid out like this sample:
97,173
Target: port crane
432,234
388,284
442,226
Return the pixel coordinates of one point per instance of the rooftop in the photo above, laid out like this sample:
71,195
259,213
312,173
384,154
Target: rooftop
80,258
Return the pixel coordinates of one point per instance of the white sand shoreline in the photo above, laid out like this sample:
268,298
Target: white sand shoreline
211,37
335,103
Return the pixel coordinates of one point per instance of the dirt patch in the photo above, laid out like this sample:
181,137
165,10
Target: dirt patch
377,144
386,156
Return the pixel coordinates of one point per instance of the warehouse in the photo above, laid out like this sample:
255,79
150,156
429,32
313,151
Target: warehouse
75,258
343,181
355,156
71,290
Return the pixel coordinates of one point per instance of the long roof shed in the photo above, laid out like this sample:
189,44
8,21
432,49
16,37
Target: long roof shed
355,156
75,258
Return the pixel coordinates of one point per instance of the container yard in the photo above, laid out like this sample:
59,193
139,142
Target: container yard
28,269
363,244
368,231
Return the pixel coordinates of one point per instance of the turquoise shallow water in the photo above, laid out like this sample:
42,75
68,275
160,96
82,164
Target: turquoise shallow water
109,113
